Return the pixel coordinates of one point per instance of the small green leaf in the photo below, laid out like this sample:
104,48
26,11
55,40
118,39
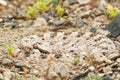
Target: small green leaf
94,77
31,12
76,60
41,5
33,78
59,10
10,49
112,11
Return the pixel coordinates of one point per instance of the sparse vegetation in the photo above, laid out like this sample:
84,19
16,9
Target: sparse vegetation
112,12
31,12
33,78
76,60
10,49
94,77
59,10
43,6
59,39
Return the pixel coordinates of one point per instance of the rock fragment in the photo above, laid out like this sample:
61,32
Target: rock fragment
114,27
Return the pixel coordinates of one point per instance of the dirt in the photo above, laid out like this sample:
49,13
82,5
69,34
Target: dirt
47,65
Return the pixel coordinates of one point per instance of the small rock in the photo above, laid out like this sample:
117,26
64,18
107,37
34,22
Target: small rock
60,35
36,51
93,30
84,53
114,27
102,5
29,41
107,78
48,15
1,20
7,74
12,24
66,4
104,32
79,23
47,36
92,68
40,22
118,76
34,72
71,2
74,6
82,2
118,60
74,34
45,47
53,75
21,65
6,78
77,11
118,38
101,74
56,22
117,44
107,70
1,76
85,14
3,2
7,61
113,56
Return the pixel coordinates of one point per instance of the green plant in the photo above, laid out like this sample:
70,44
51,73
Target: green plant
42,6
94,77
76,60
112,11
10,49
31,12
60,10
54,2
33,78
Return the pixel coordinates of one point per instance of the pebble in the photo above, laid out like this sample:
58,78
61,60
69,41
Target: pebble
79,23
7,61
34,72
53,75
74,6
118,60
107,78
102,5
74,34
71,2
113,56
118,38
92,68
3,2
1,76
93,30
45,47
29,41
36,51
107,70
8,74
47,36
39,22
56,22
114,27
20,64
82,2
118,76
104,32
